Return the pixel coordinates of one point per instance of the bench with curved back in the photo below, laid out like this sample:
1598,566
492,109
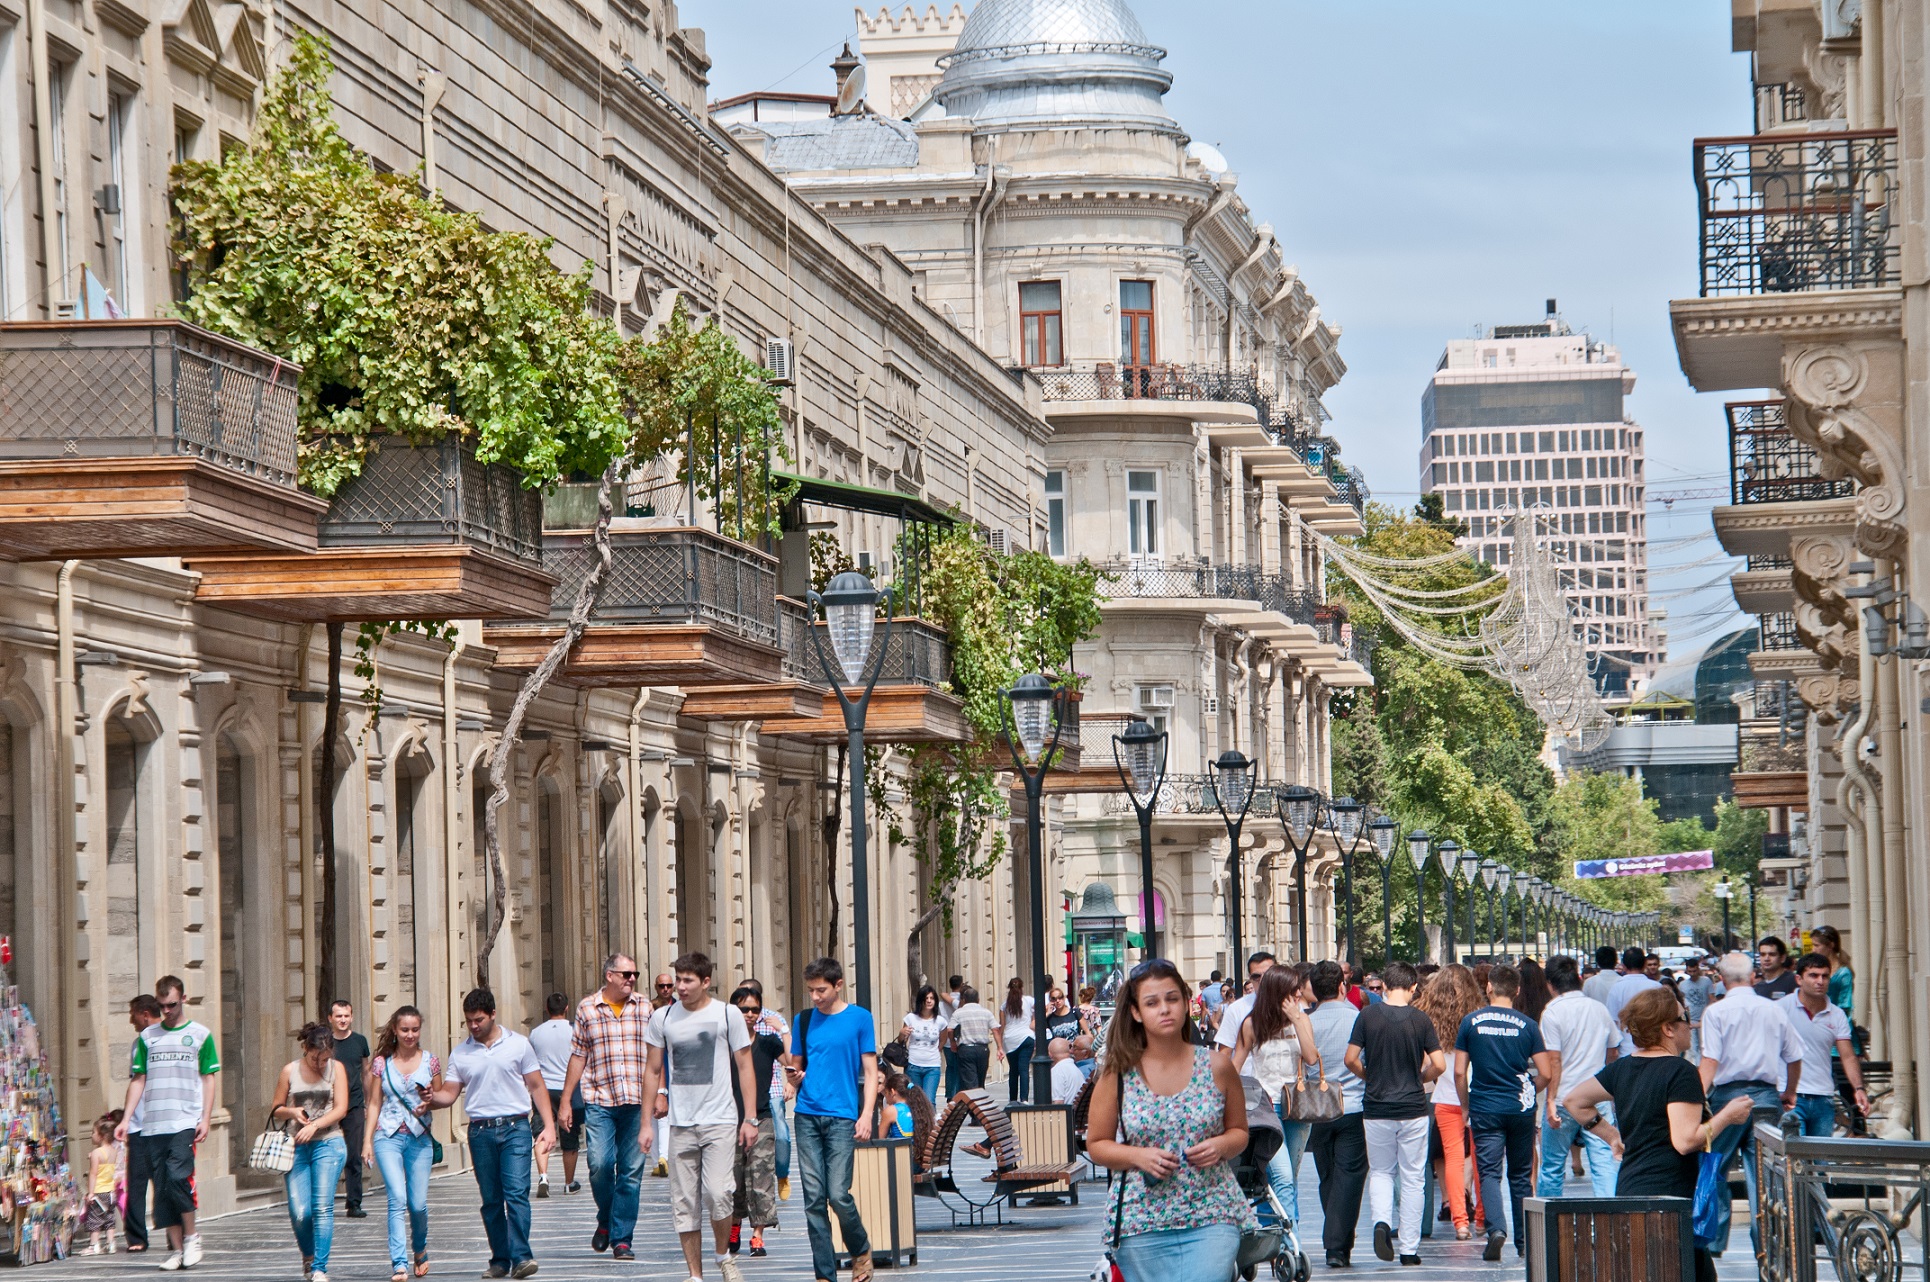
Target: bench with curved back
1009,1176
1081,1115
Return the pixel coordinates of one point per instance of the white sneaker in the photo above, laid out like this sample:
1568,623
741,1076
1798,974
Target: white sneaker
172,1263
317,1276
191,1251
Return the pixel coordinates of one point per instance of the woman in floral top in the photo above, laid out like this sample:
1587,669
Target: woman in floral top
399,1143
1179,1210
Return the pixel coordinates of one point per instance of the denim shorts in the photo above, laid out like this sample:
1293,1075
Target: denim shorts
1208,1251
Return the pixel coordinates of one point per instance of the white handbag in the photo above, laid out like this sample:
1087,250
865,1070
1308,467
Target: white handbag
274,1150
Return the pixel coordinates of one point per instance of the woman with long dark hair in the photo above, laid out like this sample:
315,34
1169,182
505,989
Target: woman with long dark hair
922,1029
1447,998
401,1074
1535,992
1278,1040
1168,1120
1016,1016
312,1092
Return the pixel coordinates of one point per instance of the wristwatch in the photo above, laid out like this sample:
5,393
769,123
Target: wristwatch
1592,1122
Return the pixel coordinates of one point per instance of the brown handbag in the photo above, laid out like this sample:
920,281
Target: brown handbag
1320,1101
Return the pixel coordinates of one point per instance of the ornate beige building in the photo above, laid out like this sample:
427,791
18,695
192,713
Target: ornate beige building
1021,164
1812,314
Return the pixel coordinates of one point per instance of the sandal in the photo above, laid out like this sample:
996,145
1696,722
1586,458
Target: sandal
422,1265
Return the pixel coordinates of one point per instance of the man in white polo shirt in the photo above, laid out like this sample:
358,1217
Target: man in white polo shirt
497,1074
1584,1041
1748,1046
1823,1028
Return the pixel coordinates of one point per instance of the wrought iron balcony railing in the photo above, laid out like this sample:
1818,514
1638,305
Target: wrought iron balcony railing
1350,486
1768,464
919,654
1107,381
434,494
1195,795
1780,104
676,575
1769,561
141,389
1777,632
1791,212
1202,580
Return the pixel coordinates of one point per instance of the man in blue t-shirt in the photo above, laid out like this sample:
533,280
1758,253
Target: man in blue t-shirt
1499,1064
833,1064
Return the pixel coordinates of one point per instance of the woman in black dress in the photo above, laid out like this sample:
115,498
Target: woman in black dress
1661,1107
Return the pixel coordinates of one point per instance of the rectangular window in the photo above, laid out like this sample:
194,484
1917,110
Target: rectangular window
57,85
1547,442
13,250
1484,471
1055,513
1453,503
1136,347
1142,513
123,142
1041,323
1155,704
1511,442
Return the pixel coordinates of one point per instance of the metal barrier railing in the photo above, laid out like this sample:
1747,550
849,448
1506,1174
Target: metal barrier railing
1855,1201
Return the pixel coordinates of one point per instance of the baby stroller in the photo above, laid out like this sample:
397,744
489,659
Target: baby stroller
1276,1243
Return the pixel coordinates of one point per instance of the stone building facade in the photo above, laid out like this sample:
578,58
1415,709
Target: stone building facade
1811,315
173,827
1022,165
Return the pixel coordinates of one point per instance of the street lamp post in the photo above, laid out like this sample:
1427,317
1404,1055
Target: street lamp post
1417,853
1471,873
1449,855
1299,808
849,604
1031,715
1233,794
1343,820
1383,830
1750,878
1140,754
1522,881
1724,891
1493,873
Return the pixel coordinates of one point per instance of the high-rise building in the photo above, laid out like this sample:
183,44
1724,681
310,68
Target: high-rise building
1530,417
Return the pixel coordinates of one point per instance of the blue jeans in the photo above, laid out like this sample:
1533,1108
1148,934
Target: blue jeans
1818,1114
310,1185
1557,1140
1018,1066
501,1156
781,1124
1207,1252
616,1166
1283,1170
1727,1143
404,1161
926,1080
824,1149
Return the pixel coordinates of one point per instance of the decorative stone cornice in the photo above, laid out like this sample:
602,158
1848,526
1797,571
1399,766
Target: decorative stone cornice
1738,342
1766,529
1823,385
1763,591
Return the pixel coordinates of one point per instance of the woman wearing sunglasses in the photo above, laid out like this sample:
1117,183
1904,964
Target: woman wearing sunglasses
1169,1121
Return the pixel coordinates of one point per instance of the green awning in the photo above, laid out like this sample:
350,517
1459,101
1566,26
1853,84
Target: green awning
865,498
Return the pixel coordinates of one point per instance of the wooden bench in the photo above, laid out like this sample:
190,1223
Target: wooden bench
1010,1175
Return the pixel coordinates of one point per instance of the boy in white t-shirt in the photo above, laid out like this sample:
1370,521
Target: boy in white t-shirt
695,1045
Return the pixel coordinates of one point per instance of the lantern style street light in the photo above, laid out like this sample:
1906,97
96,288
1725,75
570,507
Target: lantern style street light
1343,820
1382,832
1522,881
1299,808
1033,707
1417,854
1493,874
1233,794
1471,874
1140,754
849,604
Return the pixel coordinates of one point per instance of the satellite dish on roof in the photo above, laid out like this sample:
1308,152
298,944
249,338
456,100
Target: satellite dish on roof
1209,156
850,94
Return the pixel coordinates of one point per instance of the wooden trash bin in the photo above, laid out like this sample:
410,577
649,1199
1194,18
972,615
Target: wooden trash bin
881,1186
1044,1133
1610,1239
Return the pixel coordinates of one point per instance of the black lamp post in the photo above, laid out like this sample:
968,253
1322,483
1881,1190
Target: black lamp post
1140,754
1299,808
1418,853
1382,831
1032,705
1233,794
1492,873
849,604
1522,881
1471,873
1343,820
1725,891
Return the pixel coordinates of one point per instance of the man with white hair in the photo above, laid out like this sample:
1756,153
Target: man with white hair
1748,1048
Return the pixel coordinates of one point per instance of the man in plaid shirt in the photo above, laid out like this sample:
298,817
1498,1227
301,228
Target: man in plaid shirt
607,1059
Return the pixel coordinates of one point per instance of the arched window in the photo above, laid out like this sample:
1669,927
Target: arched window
407,949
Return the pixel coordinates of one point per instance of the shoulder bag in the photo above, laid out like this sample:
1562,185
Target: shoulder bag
1107,1270
274,1148
1320,1101
418,1125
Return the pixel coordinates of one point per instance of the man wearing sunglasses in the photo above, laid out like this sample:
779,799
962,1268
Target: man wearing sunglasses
172,1091
608,1056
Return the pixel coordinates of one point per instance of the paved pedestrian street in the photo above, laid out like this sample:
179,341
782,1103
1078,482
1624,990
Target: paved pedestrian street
1036,1244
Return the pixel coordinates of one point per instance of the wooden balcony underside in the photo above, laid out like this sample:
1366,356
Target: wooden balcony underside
898,714
443,581
1764,789
643,654
783,699
161,506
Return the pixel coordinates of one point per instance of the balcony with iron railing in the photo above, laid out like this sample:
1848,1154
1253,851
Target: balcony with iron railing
1769,464
1200,580
911,702
1777,632
1790,212
1110,381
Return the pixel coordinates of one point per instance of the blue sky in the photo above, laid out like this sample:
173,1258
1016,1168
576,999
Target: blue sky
1430,167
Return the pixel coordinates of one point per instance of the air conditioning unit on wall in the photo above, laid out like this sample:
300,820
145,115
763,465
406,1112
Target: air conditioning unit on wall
1156,698
780,358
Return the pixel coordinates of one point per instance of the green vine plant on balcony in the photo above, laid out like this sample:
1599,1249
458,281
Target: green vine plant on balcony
1006,614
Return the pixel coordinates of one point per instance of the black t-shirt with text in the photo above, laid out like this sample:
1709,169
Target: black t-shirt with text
352,1053
1395,1042
1643,1087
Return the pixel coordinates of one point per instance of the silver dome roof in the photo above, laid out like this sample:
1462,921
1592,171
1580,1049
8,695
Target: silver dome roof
1044,64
